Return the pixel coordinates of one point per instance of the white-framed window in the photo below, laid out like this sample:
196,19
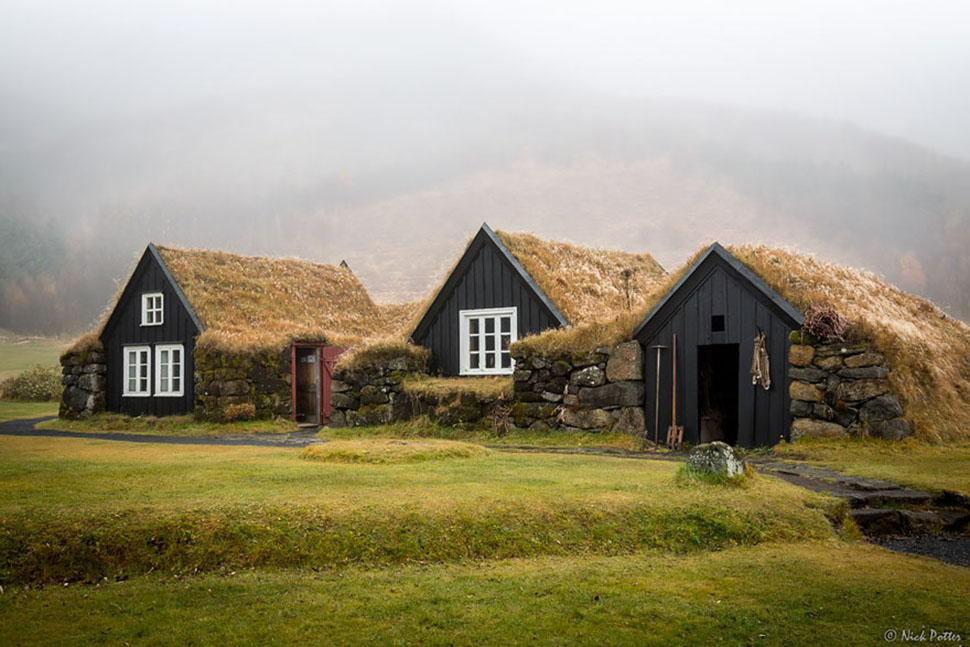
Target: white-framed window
138,367
151,309
485,339
169,370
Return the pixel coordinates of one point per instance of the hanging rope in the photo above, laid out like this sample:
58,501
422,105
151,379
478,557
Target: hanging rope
760,366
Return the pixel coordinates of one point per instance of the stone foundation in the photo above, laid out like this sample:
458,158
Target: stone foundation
596,391
841,389
223,379
601,390
84,383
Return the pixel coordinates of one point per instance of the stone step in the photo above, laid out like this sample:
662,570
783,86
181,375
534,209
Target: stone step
884,521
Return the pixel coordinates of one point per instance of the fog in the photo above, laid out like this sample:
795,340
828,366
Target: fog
385,133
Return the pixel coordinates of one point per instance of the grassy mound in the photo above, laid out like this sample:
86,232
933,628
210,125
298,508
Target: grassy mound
78,509
806,593
388,451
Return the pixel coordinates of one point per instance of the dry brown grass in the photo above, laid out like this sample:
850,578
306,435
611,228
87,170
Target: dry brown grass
445,387
605,332
383,451
928,350
398,319
256,302
377,353
84,344
586,284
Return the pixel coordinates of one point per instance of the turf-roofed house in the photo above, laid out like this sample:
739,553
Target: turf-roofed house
221,335
506,286
730,332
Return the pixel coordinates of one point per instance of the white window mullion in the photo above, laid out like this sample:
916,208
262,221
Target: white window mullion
169,370
485,337
137,372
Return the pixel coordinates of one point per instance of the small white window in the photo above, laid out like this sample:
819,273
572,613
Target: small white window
138,366
151,309
485,339
169,370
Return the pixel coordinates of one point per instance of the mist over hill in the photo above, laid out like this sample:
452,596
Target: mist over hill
393,172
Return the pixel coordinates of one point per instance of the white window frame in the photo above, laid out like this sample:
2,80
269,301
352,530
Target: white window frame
146,311
464,326
127,371
159,393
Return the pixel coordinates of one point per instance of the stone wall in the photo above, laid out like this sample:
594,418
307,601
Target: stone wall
840,389
601,390
84,383
372,393
222,379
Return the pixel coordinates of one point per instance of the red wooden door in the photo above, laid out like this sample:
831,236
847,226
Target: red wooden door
328,359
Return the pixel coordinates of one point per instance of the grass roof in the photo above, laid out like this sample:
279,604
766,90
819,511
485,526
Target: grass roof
247,302
586,284
928,350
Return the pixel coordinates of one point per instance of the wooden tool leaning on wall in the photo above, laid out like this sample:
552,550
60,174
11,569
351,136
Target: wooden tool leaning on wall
675,433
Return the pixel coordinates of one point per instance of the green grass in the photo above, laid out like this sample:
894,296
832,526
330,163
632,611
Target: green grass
168,426
484,435
390,451
817,593
912,463
80,509
11,410
16,357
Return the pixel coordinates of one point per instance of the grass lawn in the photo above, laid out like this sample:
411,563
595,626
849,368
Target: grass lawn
931,467
814,593
16,357
10,410
81,509
168,426
421,428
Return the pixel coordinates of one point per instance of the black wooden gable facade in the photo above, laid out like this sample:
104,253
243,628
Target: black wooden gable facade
716,310
487,276
124,329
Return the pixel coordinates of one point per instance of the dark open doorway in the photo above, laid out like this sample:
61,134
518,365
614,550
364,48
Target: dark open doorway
717,392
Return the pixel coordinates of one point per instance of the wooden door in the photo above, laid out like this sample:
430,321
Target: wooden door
328,359
307,385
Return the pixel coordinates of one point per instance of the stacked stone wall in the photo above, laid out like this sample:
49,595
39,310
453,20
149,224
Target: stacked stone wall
223,379
83,377
840,389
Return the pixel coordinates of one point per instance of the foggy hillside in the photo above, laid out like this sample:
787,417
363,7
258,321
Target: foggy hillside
393,167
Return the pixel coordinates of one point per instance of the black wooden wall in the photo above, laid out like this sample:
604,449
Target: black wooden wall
124,329
763,416
484,280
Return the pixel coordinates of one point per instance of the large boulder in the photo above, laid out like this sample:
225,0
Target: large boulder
632,421
800,355
884,407
861,390
617,394
808,428
626,362
716,458
590,376
805,392
592,419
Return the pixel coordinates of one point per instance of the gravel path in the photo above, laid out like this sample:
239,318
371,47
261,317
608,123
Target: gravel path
25,427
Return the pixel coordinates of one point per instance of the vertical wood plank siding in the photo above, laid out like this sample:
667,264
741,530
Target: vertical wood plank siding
126,330
763,416
488,282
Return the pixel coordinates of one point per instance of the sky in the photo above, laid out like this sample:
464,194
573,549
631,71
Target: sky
899,68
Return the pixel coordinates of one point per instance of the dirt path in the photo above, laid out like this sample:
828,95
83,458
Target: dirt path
25,427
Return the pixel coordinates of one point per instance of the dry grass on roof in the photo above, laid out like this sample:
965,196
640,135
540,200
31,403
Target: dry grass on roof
398,319
253,302
928,350
605,332
586,284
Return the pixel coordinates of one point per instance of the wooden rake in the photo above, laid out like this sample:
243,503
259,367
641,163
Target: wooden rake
675,433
